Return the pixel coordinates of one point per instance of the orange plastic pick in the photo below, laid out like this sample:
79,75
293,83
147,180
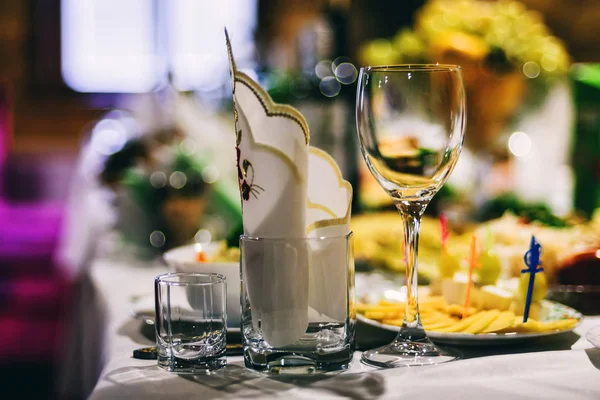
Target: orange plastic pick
200,254
472,265
444,232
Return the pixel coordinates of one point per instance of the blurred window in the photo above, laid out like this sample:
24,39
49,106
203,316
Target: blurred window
197,53
130,46
110,45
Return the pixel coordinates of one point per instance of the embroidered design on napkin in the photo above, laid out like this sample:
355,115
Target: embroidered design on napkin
271,109
247,185
246,170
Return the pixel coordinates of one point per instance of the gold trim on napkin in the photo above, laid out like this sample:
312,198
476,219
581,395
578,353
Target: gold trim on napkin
315,206
342,183
271,108
329,222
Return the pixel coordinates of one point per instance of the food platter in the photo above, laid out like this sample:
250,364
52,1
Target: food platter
559,311
375,287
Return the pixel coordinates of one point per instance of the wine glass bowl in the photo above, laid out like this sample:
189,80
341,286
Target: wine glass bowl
411,124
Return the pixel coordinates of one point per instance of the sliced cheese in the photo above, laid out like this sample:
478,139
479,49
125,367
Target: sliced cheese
505,320
481,323
465,323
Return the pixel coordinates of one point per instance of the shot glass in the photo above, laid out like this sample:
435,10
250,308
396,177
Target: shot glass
191,322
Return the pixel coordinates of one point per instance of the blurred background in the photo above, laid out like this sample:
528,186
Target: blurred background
116,128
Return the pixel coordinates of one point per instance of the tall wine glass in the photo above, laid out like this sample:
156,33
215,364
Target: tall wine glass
410,121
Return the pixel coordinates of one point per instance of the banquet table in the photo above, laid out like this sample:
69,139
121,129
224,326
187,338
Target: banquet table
568,369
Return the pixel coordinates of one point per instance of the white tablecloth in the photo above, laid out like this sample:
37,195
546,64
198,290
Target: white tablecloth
573,374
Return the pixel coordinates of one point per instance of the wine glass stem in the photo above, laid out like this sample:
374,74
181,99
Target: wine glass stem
411,212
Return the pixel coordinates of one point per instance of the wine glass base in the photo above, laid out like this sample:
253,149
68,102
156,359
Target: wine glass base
408,354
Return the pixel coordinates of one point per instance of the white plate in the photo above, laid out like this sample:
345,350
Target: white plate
142,307
183,259
376,286
491,338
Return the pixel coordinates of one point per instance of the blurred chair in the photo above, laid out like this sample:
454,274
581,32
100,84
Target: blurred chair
33,292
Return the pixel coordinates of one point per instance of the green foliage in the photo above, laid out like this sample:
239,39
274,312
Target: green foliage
530,212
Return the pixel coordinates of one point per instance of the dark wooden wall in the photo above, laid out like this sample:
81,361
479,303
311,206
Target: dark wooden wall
50,118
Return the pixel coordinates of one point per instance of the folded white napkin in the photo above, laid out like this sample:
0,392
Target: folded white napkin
283,199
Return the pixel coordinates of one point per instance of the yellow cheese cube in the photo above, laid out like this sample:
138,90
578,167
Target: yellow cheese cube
454,292
495,298
536,310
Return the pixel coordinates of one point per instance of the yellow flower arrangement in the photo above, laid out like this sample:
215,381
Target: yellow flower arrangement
503,35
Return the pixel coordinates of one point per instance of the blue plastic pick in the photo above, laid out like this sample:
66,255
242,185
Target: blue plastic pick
532,260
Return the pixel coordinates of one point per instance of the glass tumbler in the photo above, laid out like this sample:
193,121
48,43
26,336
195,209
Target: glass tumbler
298,308
191,322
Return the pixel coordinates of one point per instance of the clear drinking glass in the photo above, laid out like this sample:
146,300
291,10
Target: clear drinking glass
191,322
298,308
411,124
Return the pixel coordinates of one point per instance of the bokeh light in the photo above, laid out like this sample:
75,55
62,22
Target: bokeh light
158,179
520,144
203,236
340,60
346,73
549,63
210,174
188,147
108,137
157,239
330,87
323,69
531,69
177,179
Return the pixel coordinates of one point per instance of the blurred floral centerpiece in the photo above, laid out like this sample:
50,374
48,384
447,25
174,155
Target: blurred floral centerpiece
161,195
509,57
